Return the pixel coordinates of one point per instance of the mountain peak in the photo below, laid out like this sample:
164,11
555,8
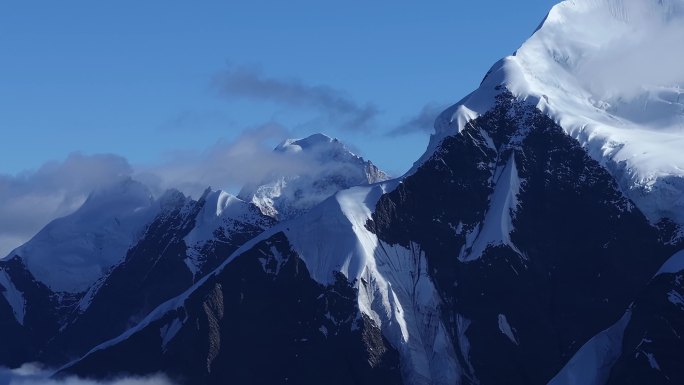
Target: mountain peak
72,252
331,167
309,142
606,71
127,193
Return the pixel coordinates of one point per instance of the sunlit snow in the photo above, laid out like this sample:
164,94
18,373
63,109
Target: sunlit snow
607,72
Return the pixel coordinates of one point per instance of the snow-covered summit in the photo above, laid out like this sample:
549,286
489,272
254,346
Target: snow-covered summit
331,167
312,141
222,218
609,72
72,252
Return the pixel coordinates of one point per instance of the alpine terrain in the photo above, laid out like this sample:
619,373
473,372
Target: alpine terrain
539,240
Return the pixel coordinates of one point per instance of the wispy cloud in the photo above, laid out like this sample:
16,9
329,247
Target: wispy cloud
625,66
30,200
31,374
226,165
335,106
423,122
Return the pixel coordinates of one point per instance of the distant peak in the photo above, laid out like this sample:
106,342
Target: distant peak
327,167
127,189
310,142
313,140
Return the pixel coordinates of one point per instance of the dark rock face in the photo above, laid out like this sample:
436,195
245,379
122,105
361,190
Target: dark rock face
581,252
226,241
58,328
653,348
21,342
153,272
250,325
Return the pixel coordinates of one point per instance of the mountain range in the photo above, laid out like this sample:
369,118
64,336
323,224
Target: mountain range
539,240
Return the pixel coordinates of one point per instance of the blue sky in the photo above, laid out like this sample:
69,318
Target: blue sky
194,94
139,78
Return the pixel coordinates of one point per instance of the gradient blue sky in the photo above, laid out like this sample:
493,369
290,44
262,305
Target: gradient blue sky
143,79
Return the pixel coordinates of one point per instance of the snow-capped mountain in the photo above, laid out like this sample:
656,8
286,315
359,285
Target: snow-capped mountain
91,275
332,167
188,239
607,73
446,280
71,253
44,278
537,241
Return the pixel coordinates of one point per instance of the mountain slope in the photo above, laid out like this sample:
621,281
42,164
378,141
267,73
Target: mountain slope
569,266
71,253
278,324
157,267
29,313
645,345
43,280
190,240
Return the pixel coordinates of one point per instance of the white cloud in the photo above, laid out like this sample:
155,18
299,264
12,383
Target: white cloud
31,199
33,374
153,380
643,54
227,165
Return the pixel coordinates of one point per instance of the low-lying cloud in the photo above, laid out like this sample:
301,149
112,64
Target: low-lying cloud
31,374
335,106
